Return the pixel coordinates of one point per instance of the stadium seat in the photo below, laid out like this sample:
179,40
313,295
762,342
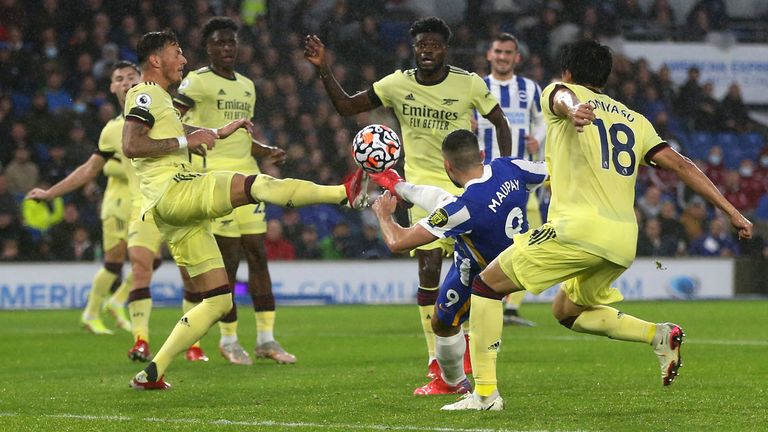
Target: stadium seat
699,144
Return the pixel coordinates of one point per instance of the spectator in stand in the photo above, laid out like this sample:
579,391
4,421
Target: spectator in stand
718,241
665,86
698,26
732,112
761,172
8,203
749,183
80,248
715,169
714,11
671,226
689,94
18,139
705,116
663,17
62,234
278,247
650,203
50,133
10,250
651,241
308,246
693,218
733,191
371,245
21,173
59,99
340,244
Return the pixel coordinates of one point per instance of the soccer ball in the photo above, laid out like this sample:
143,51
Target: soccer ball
376,148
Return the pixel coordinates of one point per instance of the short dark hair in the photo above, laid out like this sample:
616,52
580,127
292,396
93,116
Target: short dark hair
506,37
151,42
588,61
125,64
431,25
218,23
460,148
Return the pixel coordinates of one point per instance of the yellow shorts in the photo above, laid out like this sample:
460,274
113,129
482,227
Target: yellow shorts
245,220
538,261
114,230
142,231
183,215
446,244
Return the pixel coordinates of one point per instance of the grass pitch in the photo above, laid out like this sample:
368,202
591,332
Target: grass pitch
358,366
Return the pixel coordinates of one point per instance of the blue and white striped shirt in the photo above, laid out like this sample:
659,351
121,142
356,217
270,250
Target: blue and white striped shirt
520,99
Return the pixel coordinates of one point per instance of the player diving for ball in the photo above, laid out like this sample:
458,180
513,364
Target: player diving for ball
483,221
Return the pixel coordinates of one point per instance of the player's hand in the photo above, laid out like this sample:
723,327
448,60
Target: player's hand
384,205
532,144
742,225
277,156
200,141
38,194
581,115
230,128
314,50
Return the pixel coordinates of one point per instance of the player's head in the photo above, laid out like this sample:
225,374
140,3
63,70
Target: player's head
220,39
124,76
160,54
460,153
503,54
430,43
586,62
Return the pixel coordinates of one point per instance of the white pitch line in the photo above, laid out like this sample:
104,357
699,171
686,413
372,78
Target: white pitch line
273,424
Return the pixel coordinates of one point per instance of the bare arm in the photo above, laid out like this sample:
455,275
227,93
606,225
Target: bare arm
397,238
503,135
566,104
692,176
346,105
77,178
138,144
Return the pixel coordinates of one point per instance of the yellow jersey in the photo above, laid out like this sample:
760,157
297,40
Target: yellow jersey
117,195
212,101
593,174
150,104
427,113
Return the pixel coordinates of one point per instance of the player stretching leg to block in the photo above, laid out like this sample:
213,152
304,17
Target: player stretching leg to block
594,147
182,201
483,221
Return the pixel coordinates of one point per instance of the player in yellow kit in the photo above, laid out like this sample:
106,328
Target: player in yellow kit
429,102
209,97
182,201
115,209
595,146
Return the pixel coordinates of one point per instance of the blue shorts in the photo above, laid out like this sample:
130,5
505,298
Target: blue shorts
452,306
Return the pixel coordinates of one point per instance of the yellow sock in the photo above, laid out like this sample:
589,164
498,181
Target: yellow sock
295,193
102,282
607,321
425,313
186,306
120,296
228,329
191,327
485,325
515,299
139,310
265,325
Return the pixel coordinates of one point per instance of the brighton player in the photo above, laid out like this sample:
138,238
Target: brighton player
429,102
594,148
115,209
182,201
483,221
209,97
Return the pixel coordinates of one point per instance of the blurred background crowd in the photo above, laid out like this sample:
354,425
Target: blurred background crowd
56,57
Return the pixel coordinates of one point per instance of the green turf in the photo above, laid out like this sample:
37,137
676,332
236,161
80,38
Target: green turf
359,364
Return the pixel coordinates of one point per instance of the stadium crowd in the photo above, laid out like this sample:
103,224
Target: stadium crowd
55,61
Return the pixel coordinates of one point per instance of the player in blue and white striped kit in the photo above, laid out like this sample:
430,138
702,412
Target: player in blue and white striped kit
483,221
520,100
